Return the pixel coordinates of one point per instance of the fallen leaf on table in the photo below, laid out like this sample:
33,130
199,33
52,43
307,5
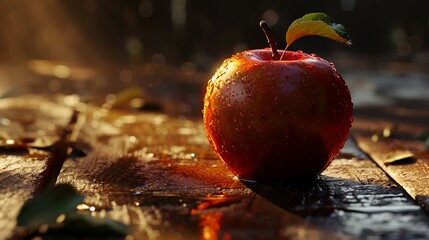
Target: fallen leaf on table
54,210
47,206
83,224
399,157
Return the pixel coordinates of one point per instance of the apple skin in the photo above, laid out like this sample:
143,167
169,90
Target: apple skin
277,121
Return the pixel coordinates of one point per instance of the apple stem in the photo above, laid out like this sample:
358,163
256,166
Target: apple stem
281,57
269,34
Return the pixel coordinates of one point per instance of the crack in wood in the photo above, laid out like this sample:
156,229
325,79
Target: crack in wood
60,151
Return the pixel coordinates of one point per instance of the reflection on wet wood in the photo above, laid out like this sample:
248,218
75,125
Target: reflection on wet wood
31,120
18,176
159,174
140,167
402,155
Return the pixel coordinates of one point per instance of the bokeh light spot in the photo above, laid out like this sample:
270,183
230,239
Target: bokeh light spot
145,9
271,16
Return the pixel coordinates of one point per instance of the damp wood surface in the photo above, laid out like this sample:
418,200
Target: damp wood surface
21,169
158,174
395,141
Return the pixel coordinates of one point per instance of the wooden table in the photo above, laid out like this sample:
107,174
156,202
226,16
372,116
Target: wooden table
158,174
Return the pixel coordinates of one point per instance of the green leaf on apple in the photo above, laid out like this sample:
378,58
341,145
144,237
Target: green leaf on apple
318,24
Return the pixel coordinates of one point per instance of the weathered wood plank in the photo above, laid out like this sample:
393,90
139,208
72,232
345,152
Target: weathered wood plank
356,198
159,174
141,164
27,119
18,176
400,143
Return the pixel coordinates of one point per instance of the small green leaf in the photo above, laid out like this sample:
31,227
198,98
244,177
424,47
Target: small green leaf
86,225
46,207
62,199
318,24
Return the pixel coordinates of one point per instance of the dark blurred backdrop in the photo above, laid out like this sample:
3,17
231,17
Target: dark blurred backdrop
164,51
198,32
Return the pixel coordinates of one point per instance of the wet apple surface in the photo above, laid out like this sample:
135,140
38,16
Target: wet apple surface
273,121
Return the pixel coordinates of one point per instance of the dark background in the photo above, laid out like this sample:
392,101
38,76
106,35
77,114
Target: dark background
199,32
164,51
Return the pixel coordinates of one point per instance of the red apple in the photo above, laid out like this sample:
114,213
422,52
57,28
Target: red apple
277,120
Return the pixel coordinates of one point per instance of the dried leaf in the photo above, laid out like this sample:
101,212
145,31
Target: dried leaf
399,157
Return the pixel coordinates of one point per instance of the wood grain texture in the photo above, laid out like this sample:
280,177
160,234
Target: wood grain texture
159,174
24,118
18,177
411,168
